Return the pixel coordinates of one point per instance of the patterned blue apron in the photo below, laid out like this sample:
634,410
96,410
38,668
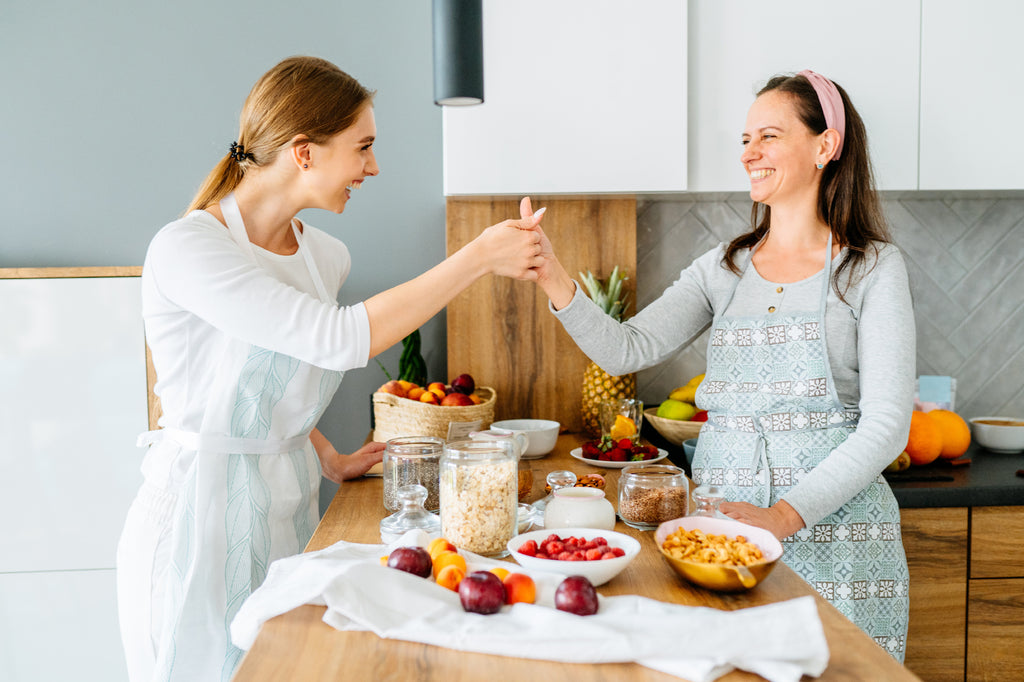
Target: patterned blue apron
774,414
250,495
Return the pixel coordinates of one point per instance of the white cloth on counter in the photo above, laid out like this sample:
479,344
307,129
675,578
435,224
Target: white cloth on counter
780,642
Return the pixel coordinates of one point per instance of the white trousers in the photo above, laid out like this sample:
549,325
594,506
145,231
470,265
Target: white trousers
143,555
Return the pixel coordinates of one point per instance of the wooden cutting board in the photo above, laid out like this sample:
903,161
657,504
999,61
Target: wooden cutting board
501,331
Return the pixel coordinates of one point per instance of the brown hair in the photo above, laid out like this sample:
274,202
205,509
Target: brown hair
300,96
847,200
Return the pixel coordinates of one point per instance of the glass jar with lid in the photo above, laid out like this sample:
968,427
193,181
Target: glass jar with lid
412,460
479,495
650,494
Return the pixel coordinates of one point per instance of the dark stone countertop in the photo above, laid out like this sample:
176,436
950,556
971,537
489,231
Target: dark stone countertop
989,479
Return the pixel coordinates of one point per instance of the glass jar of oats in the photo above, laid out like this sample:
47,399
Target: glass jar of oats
479,495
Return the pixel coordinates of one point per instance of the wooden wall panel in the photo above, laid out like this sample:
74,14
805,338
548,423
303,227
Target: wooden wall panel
500,330
936,544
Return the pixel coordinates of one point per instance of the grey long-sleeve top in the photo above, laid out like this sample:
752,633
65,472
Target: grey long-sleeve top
870,339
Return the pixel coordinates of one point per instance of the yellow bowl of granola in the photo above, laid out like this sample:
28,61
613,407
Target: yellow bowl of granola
718,554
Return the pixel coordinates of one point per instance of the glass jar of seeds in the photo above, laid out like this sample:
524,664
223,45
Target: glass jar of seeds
479,495
412,460
650,494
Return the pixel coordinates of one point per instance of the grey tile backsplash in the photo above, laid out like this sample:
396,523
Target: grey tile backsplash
965,258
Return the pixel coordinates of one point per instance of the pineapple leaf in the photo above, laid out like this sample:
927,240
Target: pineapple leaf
607,296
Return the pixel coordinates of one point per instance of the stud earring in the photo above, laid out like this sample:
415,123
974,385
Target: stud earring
306,165
820,166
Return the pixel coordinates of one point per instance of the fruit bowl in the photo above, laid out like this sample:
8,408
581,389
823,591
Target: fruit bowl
672,430
716,576
597,572
541,434
999,434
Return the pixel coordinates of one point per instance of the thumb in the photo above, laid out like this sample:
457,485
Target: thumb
529,222
525,208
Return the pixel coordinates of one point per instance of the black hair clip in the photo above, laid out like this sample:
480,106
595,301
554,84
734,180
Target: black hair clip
238,152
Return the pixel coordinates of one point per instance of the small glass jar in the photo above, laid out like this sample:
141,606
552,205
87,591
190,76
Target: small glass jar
706,498
555,480
411,516
412,460
479,500
650,494
579,508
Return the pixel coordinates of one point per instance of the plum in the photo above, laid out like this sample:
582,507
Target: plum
415,560
464,384
576,595
482,592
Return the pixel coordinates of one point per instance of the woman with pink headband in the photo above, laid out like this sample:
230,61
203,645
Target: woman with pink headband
811,355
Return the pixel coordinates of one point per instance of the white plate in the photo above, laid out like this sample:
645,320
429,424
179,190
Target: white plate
578,454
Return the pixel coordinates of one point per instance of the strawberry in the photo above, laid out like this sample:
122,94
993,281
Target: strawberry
617,455
624,444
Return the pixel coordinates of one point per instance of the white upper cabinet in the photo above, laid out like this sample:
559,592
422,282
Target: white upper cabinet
971,96
871,48
580,96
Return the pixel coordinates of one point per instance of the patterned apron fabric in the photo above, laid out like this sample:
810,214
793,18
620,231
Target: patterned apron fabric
774,414
250,495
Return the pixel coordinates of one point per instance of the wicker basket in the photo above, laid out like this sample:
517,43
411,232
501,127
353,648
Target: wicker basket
394,416
672,430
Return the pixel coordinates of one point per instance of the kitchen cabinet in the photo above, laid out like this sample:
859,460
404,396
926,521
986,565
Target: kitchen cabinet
871,50
970,99
580,96
965,623
74,395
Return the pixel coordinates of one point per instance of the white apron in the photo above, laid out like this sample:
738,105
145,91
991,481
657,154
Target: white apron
774,414
249,496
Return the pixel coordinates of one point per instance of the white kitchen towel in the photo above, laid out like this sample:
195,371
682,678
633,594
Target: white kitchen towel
781,642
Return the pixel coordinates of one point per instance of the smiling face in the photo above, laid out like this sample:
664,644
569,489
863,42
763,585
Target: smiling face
780,152
340,166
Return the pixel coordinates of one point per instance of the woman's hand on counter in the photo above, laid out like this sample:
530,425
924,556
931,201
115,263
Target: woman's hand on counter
338,467
780,519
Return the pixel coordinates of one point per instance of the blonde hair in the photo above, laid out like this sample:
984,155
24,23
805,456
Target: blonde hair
300,96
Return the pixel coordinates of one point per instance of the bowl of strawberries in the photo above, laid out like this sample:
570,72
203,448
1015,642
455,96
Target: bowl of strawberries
616,454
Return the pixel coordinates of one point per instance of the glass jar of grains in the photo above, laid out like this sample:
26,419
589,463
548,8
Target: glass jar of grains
412,460
479,501
650,494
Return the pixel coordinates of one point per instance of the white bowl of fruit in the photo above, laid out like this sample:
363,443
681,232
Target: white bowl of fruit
598,555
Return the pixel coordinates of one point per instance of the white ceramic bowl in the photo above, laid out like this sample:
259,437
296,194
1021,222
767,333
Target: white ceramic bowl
999,434
541,434
597,572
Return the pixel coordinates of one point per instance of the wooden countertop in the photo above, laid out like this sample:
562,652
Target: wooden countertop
299,646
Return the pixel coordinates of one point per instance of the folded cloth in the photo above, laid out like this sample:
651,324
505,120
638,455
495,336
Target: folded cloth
781,642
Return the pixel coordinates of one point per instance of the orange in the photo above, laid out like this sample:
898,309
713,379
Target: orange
924,444
448,559
502,573
624,427
450,576
956,434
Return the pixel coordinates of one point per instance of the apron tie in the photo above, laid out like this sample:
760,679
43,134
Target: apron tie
212,442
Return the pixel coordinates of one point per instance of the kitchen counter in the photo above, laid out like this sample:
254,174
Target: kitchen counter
299,646
989,480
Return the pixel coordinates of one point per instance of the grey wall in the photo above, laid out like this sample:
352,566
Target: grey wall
113,111
965,259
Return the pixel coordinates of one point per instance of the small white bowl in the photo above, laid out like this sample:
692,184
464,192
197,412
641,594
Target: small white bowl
541,434
999,434
598,572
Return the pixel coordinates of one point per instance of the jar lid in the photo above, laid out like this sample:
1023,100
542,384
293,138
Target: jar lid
653,470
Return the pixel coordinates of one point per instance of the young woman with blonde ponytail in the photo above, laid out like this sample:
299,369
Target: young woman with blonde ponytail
250,344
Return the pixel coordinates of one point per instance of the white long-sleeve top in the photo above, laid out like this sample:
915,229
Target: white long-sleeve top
198,284
870,339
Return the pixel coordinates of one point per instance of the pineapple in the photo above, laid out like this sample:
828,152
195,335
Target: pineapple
598,385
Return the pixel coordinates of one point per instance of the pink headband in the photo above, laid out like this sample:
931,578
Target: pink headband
831,105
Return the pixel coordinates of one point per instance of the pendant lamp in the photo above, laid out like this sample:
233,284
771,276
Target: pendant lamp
458,52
